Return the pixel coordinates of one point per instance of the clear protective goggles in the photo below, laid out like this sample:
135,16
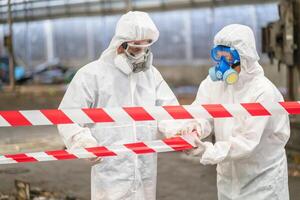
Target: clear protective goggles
137,50
139,44
142,46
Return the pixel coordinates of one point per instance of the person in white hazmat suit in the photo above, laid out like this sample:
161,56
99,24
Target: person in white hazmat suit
249,151
123,76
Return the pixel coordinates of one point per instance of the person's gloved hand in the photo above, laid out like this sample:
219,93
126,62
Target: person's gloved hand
198,150
215,153
85,140
190,127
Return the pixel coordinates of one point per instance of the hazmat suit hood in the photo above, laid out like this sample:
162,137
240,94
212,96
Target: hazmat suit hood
241,38
134,25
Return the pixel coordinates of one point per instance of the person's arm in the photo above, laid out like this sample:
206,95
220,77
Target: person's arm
164,94
243,140
200,128
164,97
203,126
79,94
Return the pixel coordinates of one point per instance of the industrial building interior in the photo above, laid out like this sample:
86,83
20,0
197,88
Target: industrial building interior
44,42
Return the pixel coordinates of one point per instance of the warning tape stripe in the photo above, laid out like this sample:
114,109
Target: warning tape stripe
108,115
156,146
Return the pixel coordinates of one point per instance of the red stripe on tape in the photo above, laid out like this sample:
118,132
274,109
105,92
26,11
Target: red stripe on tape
101,151
255,109
292,108
57,116
139,148
21,158
138,113
15,118
216,110
61,154
177,143
97,115
178,112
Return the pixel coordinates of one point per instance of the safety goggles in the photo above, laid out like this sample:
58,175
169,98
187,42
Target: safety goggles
142,46
138,44
226,53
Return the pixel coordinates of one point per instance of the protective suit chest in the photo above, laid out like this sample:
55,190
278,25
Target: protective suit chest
135,89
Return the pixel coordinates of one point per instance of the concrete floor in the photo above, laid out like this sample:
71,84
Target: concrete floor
177,179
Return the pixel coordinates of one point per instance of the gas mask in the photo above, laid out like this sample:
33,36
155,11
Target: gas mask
135,62
227,59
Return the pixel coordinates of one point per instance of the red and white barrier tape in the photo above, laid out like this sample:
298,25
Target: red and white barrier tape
127,114
156,146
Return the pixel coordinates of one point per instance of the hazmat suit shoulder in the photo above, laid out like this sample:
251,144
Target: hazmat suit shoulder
84,87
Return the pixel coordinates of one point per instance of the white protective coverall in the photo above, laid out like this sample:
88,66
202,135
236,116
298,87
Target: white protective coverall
249,151
102,83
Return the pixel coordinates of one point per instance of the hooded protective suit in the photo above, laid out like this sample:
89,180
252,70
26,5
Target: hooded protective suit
102,83
249,151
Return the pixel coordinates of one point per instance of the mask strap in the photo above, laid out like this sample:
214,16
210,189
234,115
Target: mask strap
234,65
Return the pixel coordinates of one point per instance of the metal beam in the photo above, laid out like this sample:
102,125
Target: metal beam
102,7
10,49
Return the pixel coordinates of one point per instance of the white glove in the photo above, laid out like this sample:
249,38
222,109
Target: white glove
197,151
190,127
200,147
215,153
85,140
